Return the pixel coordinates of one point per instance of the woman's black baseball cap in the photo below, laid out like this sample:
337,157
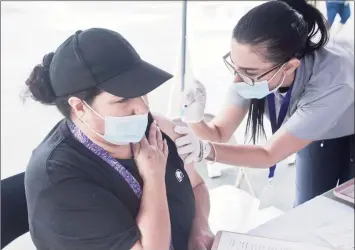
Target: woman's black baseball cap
102,58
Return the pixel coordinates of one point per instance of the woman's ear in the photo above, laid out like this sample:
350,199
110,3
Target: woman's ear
291,66
77,106
145,98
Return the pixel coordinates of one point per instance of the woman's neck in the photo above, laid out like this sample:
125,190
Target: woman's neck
116,151
289,80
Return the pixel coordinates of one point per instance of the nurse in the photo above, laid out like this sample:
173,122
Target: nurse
303,85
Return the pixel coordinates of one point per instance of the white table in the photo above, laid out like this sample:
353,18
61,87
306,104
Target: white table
303,222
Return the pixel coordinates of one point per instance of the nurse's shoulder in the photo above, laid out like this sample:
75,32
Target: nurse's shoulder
334,65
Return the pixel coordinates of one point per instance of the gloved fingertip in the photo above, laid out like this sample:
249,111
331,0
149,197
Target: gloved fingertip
177,129
187,160
190,159
200,93
180,130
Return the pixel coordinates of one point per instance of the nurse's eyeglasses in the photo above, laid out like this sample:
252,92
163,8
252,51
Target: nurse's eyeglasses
229,64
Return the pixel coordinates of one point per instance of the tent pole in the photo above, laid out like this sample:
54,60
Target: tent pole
183,45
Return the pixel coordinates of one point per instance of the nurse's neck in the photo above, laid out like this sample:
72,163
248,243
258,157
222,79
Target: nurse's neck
116,151
289,80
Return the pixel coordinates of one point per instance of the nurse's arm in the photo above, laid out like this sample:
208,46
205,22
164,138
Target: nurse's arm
222,127
316,114
281,145
226,122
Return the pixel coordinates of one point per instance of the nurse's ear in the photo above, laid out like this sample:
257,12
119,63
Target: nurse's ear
291,66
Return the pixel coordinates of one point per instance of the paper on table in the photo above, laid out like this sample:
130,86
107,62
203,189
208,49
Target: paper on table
233,241
339,234
302,222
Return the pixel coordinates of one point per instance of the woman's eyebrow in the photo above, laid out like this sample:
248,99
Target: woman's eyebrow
116,100
243,68
248,69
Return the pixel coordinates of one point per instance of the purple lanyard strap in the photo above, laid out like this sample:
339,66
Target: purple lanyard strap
105,156
276,123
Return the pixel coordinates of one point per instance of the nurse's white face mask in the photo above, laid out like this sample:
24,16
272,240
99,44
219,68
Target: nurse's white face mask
258,89
250,88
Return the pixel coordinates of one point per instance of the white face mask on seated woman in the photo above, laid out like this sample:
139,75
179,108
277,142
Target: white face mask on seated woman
121,130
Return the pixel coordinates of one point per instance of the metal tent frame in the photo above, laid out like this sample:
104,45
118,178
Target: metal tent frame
183,44
242,174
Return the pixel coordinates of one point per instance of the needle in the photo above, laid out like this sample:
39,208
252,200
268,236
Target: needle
187,105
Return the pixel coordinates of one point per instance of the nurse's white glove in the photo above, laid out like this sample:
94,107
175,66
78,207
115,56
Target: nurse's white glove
194,103
190,147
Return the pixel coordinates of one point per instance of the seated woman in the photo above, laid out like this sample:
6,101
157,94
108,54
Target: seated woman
106,177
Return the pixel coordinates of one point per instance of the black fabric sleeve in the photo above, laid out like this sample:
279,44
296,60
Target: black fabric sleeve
14,217
77,214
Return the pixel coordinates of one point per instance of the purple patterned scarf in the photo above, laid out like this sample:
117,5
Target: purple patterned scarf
105,156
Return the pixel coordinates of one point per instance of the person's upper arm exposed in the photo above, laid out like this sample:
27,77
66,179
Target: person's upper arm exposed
194,176
77,214
167,126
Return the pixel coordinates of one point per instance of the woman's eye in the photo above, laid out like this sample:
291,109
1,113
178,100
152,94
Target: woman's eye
122,100
251,74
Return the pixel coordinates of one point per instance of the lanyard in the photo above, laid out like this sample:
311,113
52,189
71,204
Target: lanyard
105,156
276,123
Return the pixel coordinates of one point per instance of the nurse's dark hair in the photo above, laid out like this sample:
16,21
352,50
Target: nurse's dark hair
278,31
39,88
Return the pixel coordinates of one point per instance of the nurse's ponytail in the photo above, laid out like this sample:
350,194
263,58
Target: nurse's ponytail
316,23
278,31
